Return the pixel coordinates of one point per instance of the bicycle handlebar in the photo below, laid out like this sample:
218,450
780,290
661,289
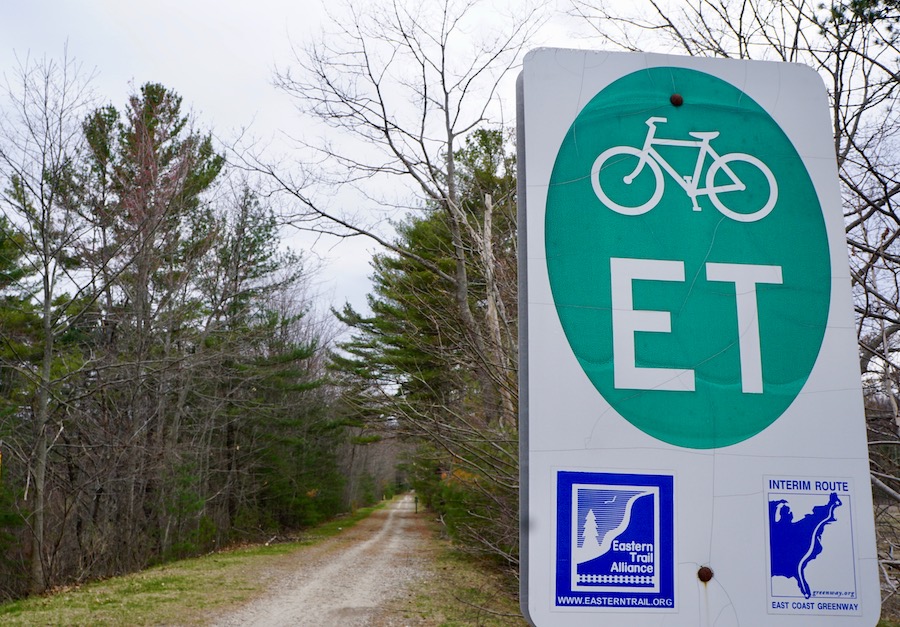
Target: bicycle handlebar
653,121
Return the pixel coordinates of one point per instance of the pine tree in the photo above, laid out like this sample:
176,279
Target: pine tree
591,533
414,368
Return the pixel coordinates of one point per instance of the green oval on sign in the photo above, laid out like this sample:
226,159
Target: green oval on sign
687,256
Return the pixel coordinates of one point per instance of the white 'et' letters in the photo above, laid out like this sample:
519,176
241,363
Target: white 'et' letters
626,321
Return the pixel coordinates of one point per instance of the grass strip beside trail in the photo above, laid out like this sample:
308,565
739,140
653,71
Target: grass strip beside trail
463,592
455,589
185,592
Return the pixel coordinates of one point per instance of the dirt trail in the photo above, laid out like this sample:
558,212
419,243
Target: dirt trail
348,579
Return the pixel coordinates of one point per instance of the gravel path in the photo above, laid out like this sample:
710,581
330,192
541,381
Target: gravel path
346,580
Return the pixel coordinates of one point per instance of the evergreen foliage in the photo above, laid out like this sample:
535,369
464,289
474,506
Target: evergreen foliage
411,368
162,384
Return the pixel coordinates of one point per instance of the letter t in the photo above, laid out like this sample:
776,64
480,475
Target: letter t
745,278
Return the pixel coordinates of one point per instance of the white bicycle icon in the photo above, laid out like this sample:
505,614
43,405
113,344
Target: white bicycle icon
721,164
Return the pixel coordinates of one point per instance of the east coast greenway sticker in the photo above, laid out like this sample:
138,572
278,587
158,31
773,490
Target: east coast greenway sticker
687,256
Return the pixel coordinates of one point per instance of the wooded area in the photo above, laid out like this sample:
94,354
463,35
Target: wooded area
163,384
167,385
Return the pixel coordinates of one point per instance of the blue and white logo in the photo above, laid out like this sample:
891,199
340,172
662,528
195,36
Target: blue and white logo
811,554
615,540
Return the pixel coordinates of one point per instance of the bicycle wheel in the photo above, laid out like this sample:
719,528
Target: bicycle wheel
616,173
750,186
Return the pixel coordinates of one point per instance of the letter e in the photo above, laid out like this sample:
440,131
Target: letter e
626,321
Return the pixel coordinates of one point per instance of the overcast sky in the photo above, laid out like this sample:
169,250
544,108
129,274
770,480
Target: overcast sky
219,55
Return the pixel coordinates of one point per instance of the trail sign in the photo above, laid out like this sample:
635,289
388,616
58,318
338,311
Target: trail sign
693,441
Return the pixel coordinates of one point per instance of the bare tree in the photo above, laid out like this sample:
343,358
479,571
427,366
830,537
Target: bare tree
40,145
404,83
400,88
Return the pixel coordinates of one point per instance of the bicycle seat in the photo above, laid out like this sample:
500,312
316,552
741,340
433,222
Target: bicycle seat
707,135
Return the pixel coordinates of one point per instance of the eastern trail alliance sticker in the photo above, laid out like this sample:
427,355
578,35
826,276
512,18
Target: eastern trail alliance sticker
810,539
614,540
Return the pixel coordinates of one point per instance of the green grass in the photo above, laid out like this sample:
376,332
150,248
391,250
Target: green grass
183,592
456,590
470,593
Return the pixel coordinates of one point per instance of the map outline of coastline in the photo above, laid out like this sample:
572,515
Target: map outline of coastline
787,561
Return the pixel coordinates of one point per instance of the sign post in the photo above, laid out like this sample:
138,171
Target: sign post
693,440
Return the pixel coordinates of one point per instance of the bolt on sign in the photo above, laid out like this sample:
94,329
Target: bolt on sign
693,440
